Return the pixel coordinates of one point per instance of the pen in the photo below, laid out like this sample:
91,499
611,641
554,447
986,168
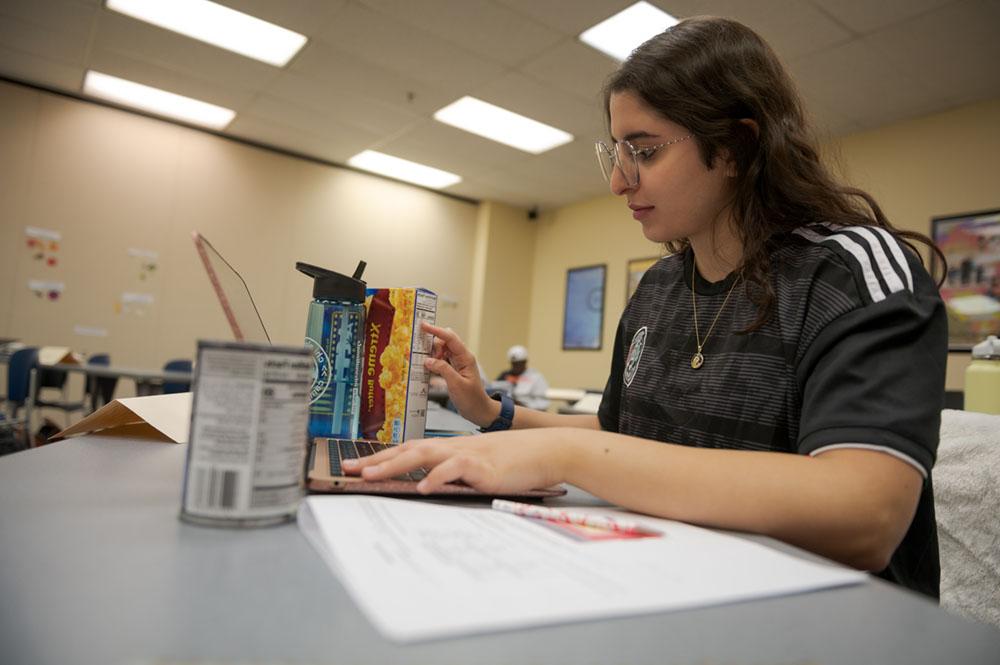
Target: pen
556,515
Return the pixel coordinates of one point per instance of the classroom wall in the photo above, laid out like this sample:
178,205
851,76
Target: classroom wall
940,164
502,283
110,181
598,231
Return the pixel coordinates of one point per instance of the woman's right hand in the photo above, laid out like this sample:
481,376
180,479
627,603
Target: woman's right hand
458,367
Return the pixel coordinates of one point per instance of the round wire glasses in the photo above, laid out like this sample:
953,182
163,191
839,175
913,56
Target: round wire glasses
627,157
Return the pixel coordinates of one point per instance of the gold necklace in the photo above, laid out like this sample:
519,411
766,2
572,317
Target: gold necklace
697,360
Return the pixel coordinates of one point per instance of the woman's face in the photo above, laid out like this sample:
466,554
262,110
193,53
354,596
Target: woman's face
676,196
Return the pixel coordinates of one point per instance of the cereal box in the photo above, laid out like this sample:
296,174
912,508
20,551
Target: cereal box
394,381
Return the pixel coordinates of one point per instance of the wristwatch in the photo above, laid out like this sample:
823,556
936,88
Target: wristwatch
506,417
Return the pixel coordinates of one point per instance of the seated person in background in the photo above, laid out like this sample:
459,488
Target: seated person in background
528,386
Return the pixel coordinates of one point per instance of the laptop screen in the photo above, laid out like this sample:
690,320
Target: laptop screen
233,294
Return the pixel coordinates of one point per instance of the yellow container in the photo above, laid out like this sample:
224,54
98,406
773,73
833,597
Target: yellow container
982,378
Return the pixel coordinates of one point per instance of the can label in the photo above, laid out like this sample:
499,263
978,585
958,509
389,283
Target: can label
249,418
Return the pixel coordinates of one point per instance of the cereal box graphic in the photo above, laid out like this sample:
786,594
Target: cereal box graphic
394,381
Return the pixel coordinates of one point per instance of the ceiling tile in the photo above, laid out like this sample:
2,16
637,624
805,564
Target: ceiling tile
406,50
444,147
481,26
308,121
342,105
826,122
795,28
374,71
877,88
515,187
519,93
575,161
863,16
572,67
494,189
66,17
67,48
553,13
336,146
205,88
141,41
39,71
302,16
953,50
332,69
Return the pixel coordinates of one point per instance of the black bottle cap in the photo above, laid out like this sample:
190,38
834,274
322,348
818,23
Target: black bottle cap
330,285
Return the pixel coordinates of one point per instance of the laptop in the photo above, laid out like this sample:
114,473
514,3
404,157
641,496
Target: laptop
324,473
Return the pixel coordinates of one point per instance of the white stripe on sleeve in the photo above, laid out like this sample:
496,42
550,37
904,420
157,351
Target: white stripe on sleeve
856,250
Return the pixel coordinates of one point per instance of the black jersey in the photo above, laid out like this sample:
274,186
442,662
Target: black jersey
853,356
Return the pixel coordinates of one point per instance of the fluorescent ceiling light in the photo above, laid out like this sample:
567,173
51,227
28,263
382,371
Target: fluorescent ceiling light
619,35
497,124
403,169
217,25
154,100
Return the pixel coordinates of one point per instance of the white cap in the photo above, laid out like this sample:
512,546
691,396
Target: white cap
517,353
989,348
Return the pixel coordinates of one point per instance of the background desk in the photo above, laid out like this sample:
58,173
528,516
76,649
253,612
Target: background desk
95,567
145,379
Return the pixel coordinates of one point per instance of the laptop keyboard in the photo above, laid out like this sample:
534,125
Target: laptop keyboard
341,449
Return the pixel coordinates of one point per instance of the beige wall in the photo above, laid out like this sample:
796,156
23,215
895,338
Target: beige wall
504,275
940,164
109,181
598,231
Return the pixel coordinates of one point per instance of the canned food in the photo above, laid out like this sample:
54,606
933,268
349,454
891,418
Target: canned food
249,433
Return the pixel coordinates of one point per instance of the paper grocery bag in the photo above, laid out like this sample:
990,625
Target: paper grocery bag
156,418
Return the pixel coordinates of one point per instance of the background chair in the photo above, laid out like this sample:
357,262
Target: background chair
100,389
177,365
19,369
54,379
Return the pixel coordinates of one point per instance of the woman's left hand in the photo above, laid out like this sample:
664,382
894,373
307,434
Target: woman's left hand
493,463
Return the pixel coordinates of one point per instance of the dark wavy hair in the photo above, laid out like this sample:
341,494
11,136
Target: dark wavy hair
708,74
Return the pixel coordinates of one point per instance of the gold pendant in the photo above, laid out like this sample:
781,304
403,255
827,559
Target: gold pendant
697,360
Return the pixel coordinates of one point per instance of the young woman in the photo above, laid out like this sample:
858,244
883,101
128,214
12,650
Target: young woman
781,372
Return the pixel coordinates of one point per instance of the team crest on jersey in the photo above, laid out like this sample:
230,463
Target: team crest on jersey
634,354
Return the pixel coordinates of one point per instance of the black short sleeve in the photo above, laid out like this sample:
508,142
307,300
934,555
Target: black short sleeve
607,413
875,375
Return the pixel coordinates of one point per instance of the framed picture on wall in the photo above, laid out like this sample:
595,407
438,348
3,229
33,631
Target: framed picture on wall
970,243
636,269
583,315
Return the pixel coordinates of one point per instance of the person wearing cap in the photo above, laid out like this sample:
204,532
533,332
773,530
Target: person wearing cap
528,386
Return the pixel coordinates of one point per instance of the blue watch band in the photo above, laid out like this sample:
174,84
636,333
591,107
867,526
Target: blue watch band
506,417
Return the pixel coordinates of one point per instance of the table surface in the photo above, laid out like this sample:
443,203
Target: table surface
96,568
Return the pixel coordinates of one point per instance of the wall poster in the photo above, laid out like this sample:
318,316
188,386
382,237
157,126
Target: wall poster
971,291
583,314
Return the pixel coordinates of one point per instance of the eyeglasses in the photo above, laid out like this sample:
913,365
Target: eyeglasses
627,158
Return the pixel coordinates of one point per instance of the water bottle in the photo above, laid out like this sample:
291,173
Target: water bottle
982,377
335,336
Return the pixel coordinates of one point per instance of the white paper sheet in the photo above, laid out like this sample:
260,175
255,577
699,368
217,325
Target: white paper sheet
422,571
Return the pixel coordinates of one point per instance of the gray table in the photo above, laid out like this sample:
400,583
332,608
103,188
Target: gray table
145,379
96,568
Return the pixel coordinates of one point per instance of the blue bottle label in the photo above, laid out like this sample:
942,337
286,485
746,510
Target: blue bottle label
321,370
333,404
